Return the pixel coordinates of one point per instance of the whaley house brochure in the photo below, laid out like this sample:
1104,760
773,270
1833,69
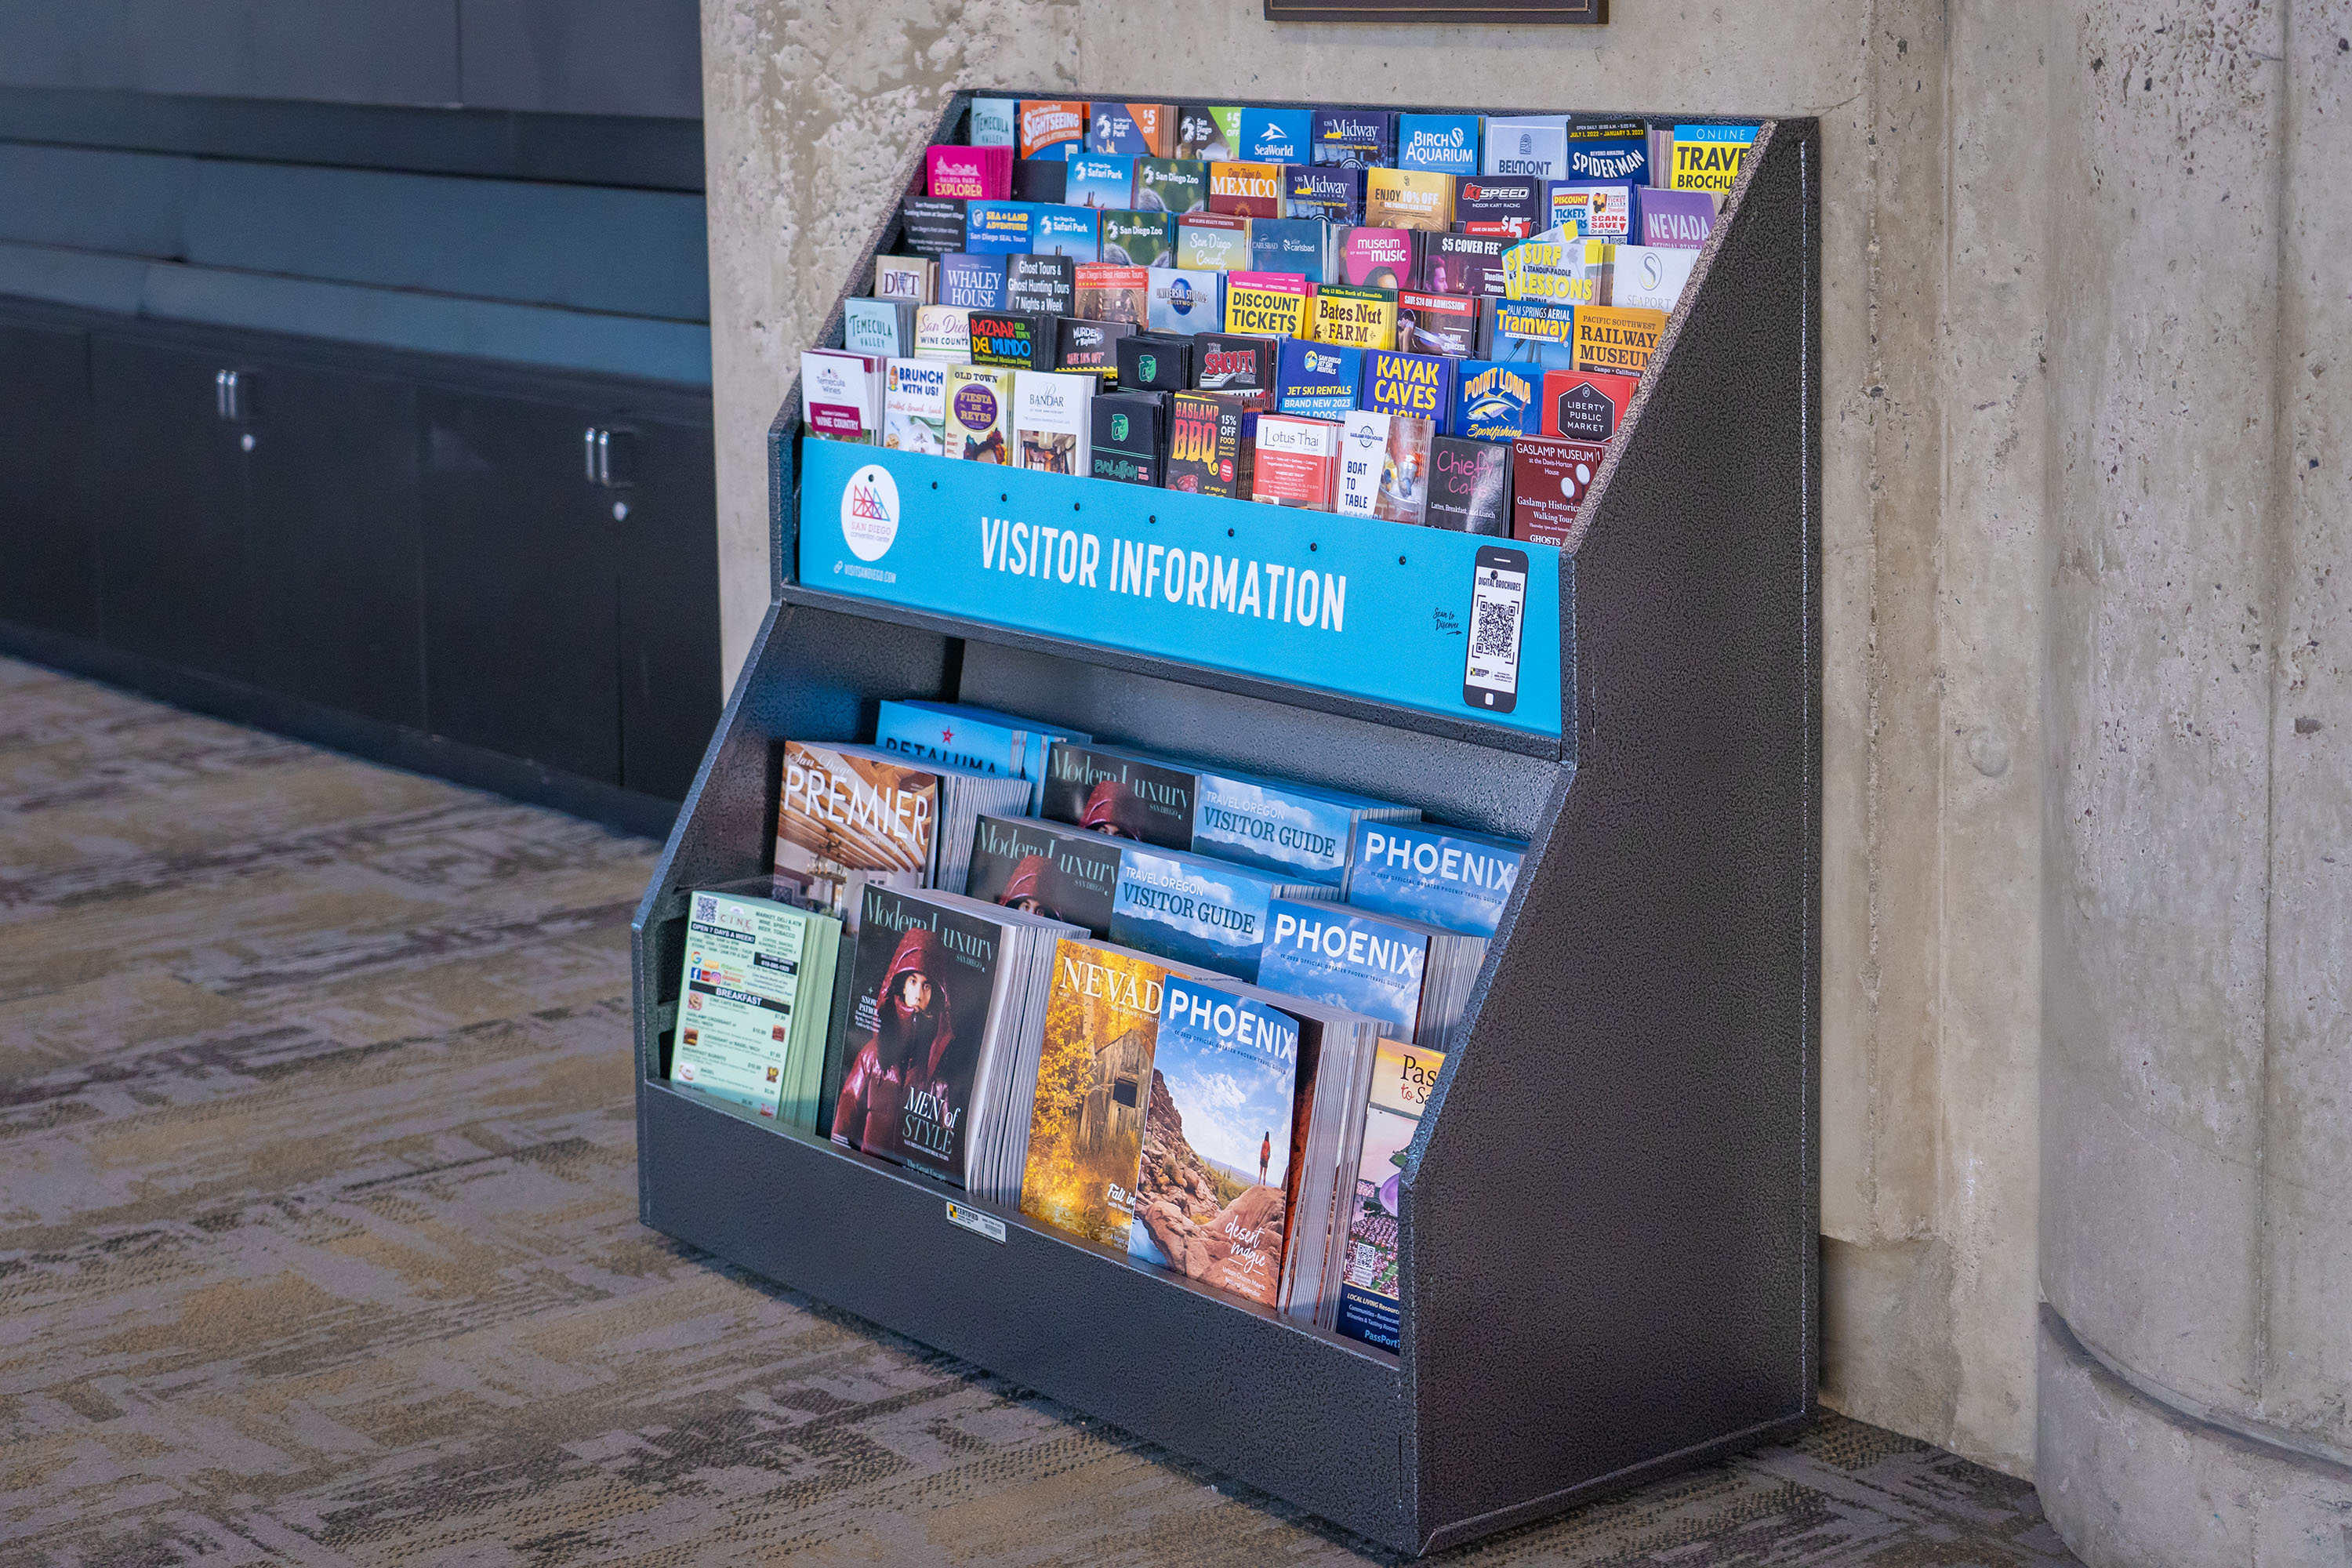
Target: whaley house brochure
1426,619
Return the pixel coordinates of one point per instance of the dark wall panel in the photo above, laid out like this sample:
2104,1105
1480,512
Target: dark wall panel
519,584
350,51
668,561
174,579
555,57
584,57
627,150
49,557
338,612
131,203
579,247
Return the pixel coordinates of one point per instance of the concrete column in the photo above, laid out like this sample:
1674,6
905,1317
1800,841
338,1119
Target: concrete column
2195,1365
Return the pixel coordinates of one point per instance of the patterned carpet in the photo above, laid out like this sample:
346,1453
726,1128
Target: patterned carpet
318,1237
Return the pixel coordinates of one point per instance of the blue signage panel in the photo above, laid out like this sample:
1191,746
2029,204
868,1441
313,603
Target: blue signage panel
1423,618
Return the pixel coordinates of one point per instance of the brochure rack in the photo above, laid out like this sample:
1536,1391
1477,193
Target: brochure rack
1609,1217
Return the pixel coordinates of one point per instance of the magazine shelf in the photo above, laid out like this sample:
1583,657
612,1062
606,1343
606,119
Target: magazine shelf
1610,1214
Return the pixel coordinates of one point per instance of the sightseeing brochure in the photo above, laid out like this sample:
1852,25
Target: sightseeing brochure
1298,832
977,738
1086,1122
1166,902
914,279
1412,977
754,1004
1192,909
1469,486
1415,254
1210,1189
885,327
1447,877
846,816
943,993
1365,1304
841,394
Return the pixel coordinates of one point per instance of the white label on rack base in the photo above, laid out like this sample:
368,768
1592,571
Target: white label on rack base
973,1220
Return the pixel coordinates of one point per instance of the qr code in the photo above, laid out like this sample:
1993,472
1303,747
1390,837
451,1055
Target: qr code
705,907
1496,633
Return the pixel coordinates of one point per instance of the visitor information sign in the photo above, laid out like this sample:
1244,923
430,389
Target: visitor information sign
1422,618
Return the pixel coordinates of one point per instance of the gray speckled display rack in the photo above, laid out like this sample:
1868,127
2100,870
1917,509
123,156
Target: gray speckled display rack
1610,1216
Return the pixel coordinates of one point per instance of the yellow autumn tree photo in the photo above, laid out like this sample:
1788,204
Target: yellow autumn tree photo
1086,1130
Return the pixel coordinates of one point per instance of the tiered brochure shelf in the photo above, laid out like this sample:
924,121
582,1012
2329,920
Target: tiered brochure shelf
1610,1214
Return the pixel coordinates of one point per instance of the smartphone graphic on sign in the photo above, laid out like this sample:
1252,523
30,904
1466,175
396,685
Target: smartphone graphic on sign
1499,602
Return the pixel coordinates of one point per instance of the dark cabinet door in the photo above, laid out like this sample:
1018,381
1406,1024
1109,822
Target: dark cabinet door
48,554
169,488
667,541
520,583
337,593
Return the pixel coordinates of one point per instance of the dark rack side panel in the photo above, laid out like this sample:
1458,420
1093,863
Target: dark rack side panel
1617,1198
1611,1214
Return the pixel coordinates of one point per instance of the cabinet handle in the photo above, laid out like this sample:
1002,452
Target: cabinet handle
233,396
610,458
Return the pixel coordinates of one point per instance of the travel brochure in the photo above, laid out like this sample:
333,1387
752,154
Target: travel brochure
1339,289
1168,1007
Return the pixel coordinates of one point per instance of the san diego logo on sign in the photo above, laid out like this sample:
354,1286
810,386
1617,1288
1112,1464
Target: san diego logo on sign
869,513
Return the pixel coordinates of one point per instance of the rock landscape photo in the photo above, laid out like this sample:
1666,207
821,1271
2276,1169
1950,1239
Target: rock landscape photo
1204,1223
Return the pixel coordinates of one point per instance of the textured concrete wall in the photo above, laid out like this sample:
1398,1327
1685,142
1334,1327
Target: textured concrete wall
1934,307
2196,1391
